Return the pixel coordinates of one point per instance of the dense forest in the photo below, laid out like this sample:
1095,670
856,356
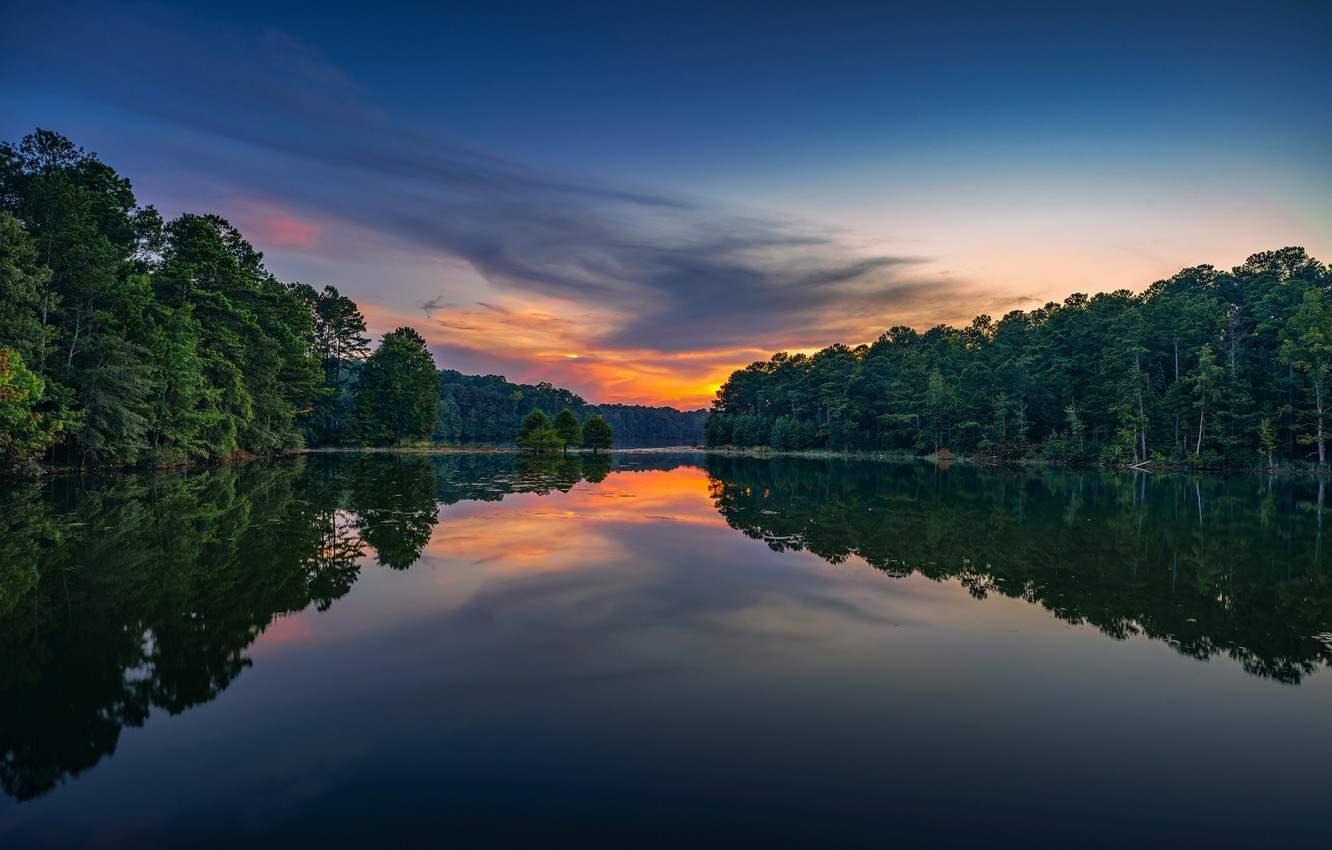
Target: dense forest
126,339
636,425
129,340
1209,368
488,409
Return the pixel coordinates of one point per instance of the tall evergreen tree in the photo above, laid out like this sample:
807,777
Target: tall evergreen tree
399,390
338,341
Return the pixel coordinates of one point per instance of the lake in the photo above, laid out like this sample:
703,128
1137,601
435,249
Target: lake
663,650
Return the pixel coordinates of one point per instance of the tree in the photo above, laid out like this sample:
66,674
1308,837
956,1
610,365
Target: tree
337,340
253,330
566,425
535,432
22,279
543,439
94,242
596,434
1306,343
399,390
939,409
24,433
533,421
1267,440
1205,383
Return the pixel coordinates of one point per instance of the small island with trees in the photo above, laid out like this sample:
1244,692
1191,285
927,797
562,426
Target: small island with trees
538,433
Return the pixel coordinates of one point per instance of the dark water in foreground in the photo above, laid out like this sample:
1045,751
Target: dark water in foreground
665,651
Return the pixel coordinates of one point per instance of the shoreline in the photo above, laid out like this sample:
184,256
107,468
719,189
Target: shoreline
731,451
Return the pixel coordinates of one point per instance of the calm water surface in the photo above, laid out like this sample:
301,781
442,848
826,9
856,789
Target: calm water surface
663,651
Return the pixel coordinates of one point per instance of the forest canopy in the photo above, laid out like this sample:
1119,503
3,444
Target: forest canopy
1207,368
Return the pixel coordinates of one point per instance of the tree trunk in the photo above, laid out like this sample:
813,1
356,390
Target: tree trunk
1143,419
1290,406
1198,450
1322,447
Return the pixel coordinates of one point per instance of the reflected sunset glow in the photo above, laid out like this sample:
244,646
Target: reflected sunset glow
563,531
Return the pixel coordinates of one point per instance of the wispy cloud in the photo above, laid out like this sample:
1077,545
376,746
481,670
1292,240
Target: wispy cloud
662,275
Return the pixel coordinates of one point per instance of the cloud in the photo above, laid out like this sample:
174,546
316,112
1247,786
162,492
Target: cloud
661,274
529,345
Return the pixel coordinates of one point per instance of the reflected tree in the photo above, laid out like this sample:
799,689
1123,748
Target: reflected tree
393,498
128,594
1196,561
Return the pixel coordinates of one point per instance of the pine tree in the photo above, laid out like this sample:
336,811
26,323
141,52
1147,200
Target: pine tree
399,392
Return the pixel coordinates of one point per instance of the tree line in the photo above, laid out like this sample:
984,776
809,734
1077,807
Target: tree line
126,339
489,410
1208,368
129,340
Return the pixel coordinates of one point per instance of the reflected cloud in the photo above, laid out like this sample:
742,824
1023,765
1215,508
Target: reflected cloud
567,568
538,536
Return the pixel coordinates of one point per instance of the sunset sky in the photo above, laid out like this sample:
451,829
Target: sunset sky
633,199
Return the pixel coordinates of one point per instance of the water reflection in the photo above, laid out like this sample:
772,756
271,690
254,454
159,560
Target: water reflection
127,594
123,594
1212,565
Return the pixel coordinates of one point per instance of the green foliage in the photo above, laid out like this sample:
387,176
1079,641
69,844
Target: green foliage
568,429
541,439
399,390
534,421
158,343
1267,440
252,336
337,340
537,434
155,343
641,425
1306,344
596,434
22,279
488,409
1184,372
24,432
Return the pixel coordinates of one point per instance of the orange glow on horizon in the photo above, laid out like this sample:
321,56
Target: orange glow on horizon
529,340
534,346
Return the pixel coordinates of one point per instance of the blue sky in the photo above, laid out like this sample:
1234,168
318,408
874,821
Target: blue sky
633,199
